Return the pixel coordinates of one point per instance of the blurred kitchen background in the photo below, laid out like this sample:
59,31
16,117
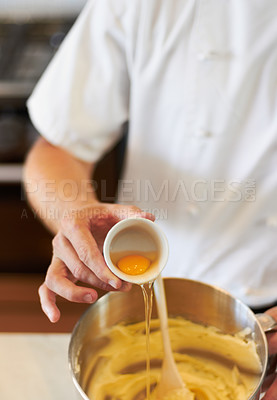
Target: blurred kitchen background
30,34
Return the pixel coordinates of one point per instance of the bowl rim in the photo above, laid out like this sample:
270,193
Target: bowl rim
217,288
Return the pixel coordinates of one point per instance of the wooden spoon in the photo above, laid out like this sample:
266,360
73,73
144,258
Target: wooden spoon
170,377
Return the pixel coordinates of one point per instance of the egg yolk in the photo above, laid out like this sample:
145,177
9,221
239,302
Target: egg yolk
133,264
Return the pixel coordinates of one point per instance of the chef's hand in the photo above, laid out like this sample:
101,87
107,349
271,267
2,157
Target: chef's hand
77,255
271,381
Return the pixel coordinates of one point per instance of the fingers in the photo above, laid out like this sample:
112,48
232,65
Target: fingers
273,312
272,336
87,236
123,212
48,303
148,215
60,281
57,282
89,254
272,342
270,383
77,256
65,251
271,393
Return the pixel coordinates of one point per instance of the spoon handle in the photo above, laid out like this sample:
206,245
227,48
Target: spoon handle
162,313
170,377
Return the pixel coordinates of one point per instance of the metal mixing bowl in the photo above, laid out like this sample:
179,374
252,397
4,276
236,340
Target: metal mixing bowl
196,301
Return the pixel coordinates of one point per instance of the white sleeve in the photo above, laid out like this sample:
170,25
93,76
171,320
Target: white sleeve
82,99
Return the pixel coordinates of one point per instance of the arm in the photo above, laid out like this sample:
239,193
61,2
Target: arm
50,176
58,188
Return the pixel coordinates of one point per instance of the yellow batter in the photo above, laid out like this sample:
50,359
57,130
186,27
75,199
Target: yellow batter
213,365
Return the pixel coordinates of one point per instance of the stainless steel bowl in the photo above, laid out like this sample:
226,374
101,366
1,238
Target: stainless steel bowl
196,301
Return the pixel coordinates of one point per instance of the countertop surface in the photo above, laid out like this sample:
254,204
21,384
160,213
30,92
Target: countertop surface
35,367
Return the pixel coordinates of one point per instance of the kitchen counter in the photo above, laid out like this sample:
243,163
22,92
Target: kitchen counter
35,367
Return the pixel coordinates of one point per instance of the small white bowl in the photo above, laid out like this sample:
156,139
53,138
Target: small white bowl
136,236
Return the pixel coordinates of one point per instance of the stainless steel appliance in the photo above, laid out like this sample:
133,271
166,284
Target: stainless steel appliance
196,301
25,50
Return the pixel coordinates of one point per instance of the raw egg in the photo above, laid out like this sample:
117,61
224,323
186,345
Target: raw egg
133,264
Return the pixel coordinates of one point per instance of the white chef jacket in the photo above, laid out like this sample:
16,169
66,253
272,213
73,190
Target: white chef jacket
197,79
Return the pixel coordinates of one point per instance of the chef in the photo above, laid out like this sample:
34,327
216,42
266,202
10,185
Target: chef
197,81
